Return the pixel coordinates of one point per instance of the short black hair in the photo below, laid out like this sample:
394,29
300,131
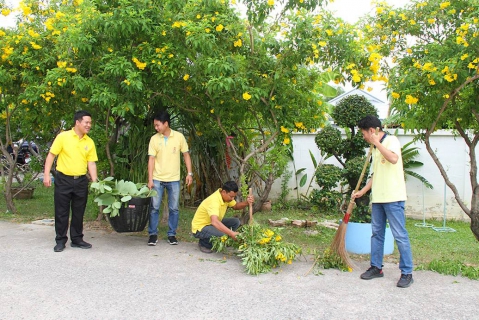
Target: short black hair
368,122
163,116
79,115
229,186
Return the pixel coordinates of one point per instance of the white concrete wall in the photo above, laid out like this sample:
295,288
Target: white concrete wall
451,151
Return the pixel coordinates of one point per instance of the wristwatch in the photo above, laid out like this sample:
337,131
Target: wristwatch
190,173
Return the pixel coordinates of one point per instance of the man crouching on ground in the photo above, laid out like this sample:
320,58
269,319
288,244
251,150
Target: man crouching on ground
209,217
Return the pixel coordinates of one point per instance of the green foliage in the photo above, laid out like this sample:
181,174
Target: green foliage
329,140
331,260
348,151
351,109
113,193
328,176
408,154
451,267
327,199
260,249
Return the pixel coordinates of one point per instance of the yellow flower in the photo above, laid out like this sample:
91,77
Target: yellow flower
198,16
278,238
140,65
176,24
268,233
238,43
411,100
450,77
126,82
5,12
207,30
286,141
444,5
246,96
431,20
270,3
84,99
72,70
432,82
186,77
219,28
285,130
464,56
212,111
35,46
163,33
61,64
379,10
446,96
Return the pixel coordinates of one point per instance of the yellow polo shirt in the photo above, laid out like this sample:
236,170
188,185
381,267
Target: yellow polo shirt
388,179
211,206
73,153
167,155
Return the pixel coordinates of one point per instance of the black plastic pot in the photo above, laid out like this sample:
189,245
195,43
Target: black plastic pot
133,216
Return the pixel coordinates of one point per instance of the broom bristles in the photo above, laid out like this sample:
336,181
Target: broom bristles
338,246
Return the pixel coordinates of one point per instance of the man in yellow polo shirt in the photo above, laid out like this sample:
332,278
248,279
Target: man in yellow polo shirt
76,153
209,218
164,152
388,196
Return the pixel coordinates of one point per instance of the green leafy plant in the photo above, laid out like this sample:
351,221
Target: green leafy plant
260,249
452,267
408,155
327,177
113,193
330,260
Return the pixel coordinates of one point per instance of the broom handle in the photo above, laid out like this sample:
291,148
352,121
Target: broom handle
366,163
250,208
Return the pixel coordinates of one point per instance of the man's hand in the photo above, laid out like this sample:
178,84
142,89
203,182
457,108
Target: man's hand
189,180
358,194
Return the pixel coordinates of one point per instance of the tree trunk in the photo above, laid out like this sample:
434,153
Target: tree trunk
475,222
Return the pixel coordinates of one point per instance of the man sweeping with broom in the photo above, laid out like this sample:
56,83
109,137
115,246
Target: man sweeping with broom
388,196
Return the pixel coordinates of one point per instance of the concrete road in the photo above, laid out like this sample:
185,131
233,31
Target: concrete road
123,278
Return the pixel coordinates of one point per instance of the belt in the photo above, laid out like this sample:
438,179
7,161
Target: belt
74,177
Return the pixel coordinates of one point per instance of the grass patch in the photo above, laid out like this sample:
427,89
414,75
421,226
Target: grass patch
437,251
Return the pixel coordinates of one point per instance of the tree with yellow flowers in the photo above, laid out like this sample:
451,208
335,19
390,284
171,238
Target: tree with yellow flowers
252,82
433,82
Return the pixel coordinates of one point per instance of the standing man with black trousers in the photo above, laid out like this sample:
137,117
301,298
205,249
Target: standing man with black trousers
76,154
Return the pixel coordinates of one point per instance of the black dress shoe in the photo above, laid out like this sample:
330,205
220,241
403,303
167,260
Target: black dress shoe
59,247
81,244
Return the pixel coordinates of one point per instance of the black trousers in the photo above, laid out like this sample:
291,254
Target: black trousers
70,193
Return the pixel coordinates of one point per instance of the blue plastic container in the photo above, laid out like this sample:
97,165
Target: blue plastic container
358,239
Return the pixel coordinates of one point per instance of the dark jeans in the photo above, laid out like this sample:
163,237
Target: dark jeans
69,194
208,231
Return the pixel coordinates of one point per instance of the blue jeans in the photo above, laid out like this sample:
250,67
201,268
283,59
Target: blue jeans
173,189
394,213
207,232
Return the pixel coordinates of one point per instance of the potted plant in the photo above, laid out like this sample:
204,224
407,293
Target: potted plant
125,203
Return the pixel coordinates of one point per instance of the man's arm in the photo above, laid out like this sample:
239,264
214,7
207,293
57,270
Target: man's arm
151,167
215,222
187,158
46,172
361,192
244,204
92,170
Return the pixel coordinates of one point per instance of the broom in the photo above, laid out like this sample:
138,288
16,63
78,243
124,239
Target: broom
338,246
